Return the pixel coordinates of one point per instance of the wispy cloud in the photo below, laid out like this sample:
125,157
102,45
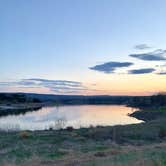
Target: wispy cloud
110,67
142,47
141,71
55,82
161,65
157,55
57,86
162,73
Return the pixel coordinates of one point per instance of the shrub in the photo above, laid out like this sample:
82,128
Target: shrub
100,154
24,134
69,128
162,132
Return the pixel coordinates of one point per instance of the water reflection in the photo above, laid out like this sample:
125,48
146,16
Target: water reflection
76,116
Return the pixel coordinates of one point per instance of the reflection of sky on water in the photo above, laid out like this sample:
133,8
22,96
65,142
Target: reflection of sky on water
75,116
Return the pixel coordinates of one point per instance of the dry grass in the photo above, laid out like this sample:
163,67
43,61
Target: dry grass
126,155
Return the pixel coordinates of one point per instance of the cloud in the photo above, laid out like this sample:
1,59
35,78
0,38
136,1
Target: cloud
55,82
161,65
157,55
58,86
162,73
142,47
110,67
141,71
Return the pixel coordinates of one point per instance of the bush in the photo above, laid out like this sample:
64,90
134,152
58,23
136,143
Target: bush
69,128
100,154
24,134
162,132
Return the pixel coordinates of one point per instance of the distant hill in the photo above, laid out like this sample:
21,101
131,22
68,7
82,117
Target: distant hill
137,101
63,99
80,99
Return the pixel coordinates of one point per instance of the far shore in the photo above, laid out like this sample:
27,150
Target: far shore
6,109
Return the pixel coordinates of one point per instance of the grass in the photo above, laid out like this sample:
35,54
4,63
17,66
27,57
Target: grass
144,156
150,114
161,109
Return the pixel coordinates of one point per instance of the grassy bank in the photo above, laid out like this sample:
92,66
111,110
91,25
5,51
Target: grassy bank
148,114
139,144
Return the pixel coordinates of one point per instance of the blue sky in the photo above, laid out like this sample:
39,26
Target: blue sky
63,39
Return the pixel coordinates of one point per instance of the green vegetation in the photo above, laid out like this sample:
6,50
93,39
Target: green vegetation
11,98
146,156
17,103
148,114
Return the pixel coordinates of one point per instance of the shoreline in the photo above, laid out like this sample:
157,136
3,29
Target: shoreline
7,109
149,114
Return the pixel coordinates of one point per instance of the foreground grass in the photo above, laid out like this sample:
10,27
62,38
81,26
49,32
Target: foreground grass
115,155
140,144
154,155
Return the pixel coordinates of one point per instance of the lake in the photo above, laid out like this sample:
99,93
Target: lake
76,116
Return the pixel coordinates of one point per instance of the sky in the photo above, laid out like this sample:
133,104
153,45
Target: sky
88,47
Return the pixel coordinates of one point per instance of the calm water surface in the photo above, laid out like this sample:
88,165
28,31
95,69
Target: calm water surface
76,116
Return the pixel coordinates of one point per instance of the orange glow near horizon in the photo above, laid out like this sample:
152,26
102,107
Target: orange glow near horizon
130,84
112,84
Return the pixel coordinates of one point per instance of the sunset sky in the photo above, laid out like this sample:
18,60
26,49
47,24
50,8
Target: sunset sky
89,47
